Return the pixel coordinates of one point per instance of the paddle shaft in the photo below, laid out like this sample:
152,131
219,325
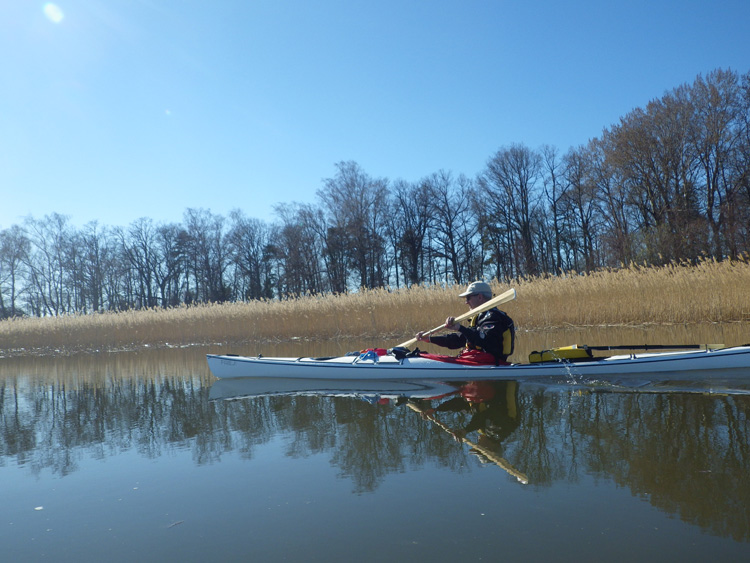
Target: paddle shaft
657,347
509,295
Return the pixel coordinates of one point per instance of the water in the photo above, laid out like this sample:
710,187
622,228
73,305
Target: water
133,457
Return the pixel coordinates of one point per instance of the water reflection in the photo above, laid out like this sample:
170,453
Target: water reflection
685,451
492,407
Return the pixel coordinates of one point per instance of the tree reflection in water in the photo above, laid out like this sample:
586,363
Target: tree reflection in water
686,453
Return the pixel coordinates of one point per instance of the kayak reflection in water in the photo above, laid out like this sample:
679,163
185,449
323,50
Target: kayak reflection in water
492,406
490,336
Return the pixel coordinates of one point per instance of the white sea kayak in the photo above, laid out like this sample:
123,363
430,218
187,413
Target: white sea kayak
733,362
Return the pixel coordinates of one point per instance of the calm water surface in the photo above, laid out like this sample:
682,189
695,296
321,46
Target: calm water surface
144,457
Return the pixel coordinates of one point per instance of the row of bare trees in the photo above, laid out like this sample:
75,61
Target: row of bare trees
670,181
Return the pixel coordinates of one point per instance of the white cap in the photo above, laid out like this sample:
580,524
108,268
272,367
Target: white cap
477,287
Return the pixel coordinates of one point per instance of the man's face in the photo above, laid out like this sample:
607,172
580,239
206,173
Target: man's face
474,300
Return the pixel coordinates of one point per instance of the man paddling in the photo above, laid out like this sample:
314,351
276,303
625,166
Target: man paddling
490,336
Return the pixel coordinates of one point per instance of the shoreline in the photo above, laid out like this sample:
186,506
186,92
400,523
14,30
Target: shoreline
634,298
523,336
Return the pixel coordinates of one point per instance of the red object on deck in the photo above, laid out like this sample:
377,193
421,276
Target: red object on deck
467,357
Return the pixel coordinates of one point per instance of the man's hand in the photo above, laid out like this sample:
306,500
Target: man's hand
451,324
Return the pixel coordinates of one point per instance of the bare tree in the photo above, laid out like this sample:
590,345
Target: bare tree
248,243
617,217
741,166
171,245
297,247
716,137
138,245
450,209
98,250
355,206
14,247
513,178
650,147
409,223
46,264
581,199
207,255
554,189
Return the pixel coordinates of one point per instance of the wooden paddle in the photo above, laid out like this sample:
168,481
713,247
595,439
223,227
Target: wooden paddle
509,295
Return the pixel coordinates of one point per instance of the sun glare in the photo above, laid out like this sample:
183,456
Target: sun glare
53,12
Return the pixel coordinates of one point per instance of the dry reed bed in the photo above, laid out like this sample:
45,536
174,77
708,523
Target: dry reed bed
708,292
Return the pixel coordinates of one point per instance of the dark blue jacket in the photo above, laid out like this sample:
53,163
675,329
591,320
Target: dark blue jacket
492,331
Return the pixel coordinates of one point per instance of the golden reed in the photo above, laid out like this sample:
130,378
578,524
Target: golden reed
710,292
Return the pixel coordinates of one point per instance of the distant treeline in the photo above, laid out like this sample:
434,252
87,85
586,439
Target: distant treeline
669,182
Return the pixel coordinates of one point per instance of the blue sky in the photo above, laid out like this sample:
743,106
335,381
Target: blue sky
112,110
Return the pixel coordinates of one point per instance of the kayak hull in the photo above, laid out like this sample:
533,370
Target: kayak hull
686,365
